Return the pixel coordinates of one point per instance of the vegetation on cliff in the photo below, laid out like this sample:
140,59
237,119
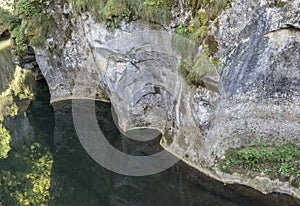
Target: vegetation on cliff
27,23
198,30
276,162
113,11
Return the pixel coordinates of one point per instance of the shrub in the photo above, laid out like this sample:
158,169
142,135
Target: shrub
277,162
28,8
24,22
11,21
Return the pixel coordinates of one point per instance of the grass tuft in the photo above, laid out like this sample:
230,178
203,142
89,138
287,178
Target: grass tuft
281,162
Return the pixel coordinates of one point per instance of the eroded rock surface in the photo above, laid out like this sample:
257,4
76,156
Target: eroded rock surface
260,50
135,68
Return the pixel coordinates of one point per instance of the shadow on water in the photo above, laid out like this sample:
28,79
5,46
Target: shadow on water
77,180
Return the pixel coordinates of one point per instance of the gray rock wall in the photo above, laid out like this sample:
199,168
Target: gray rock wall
135,68
260,86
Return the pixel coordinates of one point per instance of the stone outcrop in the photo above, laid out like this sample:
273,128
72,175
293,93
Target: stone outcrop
260,87
135,68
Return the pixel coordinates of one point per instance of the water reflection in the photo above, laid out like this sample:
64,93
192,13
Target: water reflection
78,180
6,65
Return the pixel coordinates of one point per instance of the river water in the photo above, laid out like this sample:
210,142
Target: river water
77,180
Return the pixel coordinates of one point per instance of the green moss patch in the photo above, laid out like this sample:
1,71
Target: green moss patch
282,162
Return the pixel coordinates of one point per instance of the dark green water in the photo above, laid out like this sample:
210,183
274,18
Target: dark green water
78,180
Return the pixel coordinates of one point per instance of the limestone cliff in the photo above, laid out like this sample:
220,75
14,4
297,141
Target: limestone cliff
135,67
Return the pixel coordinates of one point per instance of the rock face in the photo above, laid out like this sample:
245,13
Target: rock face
260,50
136,65
135,68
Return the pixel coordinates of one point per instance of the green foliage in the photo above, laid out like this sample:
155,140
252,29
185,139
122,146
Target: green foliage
11,21
7,106
154,10
21,86
93,6
278,162
25,178
29,8
197,29
182,30
25,22
200,33
286,169
113,11
19,37
4,142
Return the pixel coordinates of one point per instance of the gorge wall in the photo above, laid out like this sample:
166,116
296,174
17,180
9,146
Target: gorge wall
135,67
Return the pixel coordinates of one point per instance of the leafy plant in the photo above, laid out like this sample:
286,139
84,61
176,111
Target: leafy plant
286,169
28,8
182,30
281,162
11,21
23,23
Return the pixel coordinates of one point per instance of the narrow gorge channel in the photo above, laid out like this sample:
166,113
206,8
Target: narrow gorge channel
149,102
76,179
